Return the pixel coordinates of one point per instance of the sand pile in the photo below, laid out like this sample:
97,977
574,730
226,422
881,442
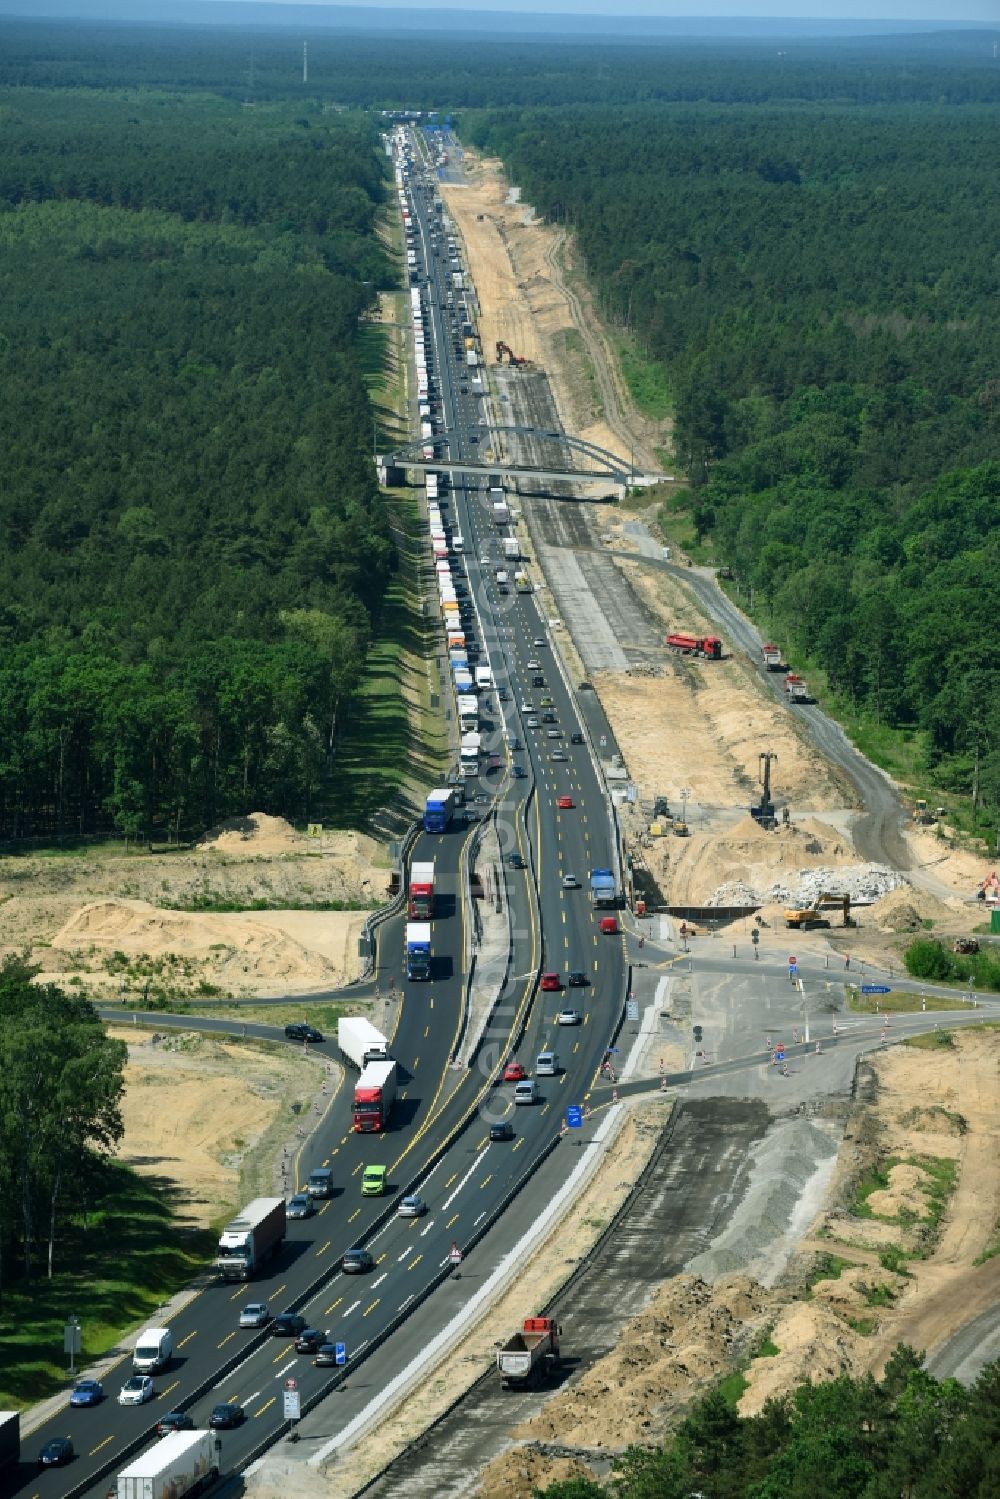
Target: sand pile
233,949
257,835
907,908
523,1471
849,1292
748,858
904,1194
815,1344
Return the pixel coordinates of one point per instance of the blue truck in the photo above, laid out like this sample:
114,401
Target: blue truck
439,809
603,891
418,950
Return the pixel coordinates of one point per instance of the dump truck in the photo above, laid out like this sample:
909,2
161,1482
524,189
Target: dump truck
374,1095
531,1354
251,1238
772,656
709,646
796,688
359,1041
180,1464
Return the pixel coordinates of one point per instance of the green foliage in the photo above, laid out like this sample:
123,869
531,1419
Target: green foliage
828,1267
845,1439
926,958
193,550
812,282
61,1084
893,1257
931,1041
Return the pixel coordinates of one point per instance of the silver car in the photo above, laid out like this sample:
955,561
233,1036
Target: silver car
136,1391
570,882
255,1314
301,1206
412,1207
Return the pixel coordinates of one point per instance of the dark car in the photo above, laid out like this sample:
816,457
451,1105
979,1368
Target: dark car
227,1415
288,1325
502,1131
355,1261
537,681
174,1421
308,1341
697,1032
577,978
301,1032
515,743
515,861
549,717
56,1452
576,738
326,1356
518,772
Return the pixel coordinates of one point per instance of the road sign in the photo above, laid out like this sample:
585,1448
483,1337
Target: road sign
291,1384
792,960
340,1352
779,1053
875,989
574,1116
632,1009
455,1255
604,741
755,938
292,1405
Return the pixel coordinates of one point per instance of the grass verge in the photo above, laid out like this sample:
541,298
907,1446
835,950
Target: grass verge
647,381
899,1002
109,1292
931,1041
323,1016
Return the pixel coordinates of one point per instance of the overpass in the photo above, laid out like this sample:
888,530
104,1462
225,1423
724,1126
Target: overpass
603,465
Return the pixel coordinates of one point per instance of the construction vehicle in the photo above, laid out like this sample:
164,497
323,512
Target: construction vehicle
681,829
796,688
922,813
965,946
763,812
709,646
989,890
818,914
530,1354
514,360
771,654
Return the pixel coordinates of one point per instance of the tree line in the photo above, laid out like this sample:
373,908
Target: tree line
905,1436
193,548
817,284
61,1084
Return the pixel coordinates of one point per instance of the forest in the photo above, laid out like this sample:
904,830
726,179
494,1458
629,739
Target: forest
192,542
819,284
905,1436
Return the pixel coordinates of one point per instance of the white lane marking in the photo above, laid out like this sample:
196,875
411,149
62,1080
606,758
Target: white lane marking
289,1365
353,1307
376,1283
425,1231
250,1399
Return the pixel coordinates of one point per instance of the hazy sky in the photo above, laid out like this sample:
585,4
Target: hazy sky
867,10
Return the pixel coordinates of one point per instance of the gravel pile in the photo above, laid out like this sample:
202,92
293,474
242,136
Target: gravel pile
862,882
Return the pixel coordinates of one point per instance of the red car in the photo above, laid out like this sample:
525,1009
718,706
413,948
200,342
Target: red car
551,981
565,802
513,1072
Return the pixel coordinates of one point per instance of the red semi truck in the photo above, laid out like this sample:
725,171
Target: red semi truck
421,907
374,1093
709,646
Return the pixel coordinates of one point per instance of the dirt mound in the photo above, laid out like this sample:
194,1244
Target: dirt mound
232,949
748,856
521,1472
814,1343
933,1121
854,1288
904,1193
257,835
906,910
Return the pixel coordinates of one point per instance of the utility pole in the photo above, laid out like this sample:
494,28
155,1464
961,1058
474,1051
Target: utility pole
305,62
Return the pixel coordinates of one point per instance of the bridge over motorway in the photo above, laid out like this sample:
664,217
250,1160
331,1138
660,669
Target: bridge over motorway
603,465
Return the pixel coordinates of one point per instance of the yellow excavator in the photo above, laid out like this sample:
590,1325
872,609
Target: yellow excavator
818,914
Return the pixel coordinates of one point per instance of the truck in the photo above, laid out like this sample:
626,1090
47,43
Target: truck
374,1094
418,950
501,514
511,549
251,1238
532,1353
359,1041
771,654
10,1439
421,897
603,891
463,681
471,358
709,646
522,583
484,676
179,1465
439,809
796,688
457,281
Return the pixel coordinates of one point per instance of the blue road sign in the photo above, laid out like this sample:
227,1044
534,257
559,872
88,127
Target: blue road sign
875,989
340,1352
779,1053
574,1116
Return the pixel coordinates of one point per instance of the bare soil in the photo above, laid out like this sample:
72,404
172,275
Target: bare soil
102,915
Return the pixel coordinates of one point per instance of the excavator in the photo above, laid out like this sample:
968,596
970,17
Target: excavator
801,919
514,360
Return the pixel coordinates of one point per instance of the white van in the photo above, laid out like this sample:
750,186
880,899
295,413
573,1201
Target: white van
526,1091
153,1349
547,1064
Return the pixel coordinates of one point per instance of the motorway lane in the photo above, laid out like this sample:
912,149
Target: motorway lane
469,1183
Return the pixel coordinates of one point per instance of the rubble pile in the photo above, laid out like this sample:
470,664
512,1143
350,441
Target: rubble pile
864,883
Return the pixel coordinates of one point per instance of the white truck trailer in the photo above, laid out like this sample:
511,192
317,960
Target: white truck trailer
360,1042
178,1466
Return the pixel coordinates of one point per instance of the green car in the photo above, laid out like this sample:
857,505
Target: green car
373,1181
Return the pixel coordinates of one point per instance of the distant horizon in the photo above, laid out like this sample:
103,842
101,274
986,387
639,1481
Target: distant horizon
717,19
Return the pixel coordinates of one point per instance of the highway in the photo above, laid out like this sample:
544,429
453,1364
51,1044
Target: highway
464,1182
